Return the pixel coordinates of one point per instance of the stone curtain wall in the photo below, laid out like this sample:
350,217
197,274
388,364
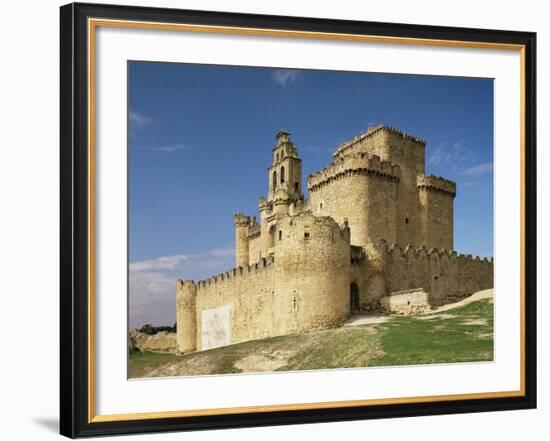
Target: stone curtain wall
445,275
306,286
250,294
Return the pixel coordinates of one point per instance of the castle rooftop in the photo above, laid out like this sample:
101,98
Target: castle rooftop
372,131
363,163
436,183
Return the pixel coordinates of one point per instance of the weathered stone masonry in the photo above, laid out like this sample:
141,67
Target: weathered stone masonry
309,262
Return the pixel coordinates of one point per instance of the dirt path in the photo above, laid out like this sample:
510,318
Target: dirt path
485,294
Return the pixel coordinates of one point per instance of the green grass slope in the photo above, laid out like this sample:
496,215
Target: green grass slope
463,334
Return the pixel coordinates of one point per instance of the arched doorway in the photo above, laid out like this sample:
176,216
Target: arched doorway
354,297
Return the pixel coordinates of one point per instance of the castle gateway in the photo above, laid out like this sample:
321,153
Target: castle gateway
374,226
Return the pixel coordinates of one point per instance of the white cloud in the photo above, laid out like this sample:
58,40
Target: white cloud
172,262
284,76
167,148
152,298
479,169
160,263
449,155
140,120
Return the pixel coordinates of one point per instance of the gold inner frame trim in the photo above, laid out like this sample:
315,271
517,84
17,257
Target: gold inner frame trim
92,25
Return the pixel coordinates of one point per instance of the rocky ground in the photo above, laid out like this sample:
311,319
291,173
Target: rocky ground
160,342
461,332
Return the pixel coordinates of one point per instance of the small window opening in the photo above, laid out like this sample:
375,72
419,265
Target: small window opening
274,180
280,235
282,175
306,235
406,220
321,206
296,186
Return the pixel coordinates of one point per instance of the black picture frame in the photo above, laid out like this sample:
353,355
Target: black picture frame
75,414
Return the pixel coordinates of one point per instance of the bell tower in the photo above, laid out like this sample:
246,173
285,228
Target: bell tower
285,172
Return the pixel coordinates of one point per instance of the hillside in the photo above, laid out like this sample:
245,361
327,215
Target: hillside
455,333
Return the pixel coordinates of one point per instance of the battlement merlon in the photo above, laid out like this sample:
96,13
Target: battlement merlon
436,183
185,284
371,131
396,250
364,163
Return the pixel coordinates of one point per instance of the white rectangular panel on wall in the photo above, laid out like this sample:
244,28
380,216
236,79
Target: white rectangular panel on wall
216,329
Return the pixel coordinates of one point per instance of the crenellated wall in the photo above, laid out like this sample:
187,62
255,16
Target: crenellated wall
390,144
445,275
249,295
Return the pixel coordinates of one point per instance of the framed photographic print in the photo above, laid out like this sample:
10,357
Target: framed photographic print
274,220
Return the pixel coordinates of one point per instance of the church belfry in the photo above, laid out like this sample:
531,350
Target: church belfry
285,172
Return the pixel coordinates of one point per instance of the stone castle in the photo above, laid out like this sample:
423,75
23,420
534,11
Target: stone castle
311,262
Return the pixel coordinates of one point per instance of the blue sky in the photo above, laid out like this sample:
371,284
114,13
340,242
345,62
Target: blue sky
200,140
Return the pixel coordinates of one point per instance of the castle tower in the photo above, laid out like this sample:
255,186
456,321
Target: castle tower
436,196
408,152
285,171
186,316
312,263
242,223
